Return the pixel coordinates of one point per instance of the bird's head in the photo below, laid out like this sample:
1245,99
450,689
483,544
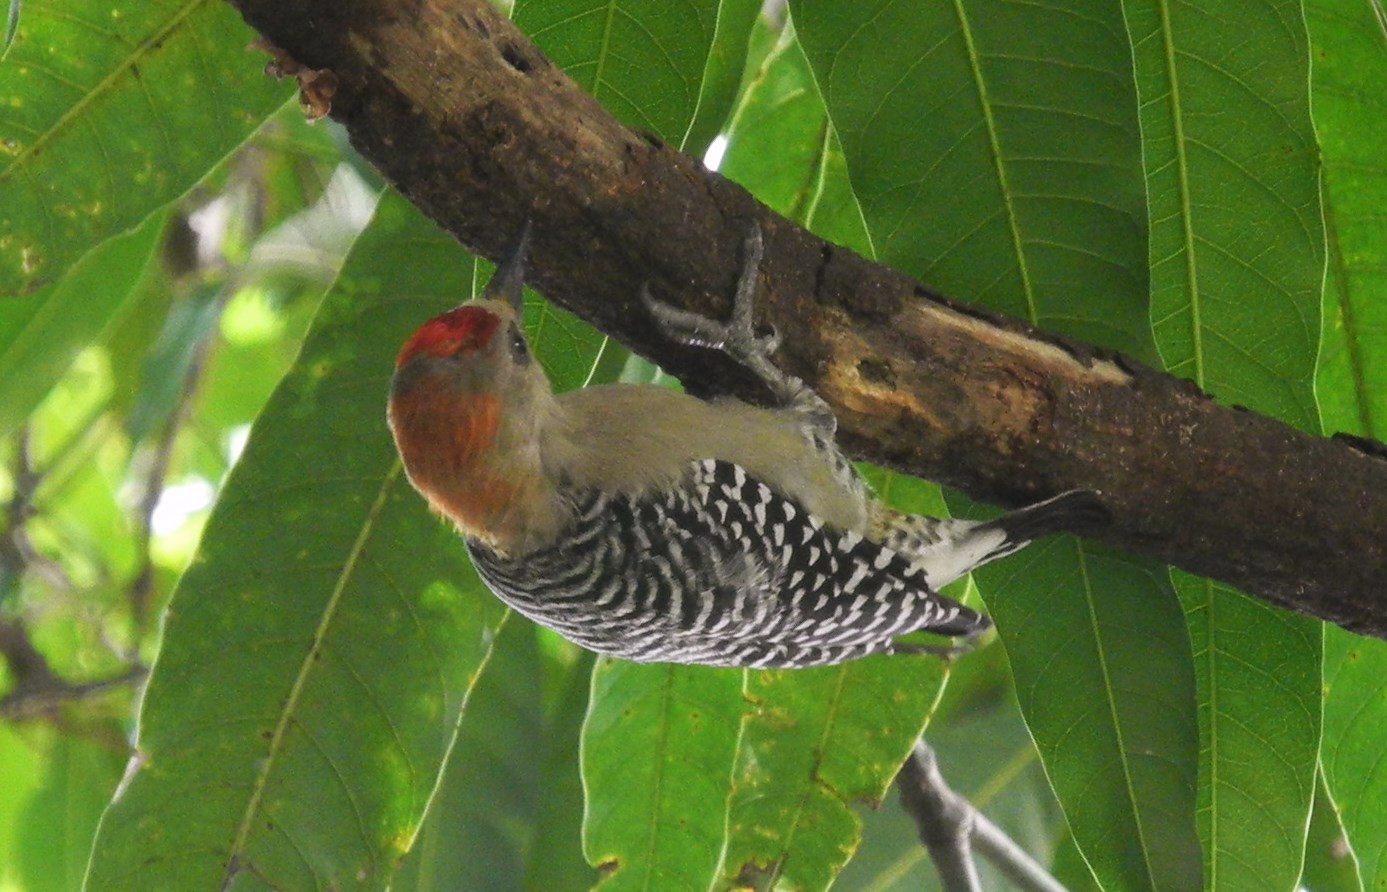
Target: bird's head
477,349
468,400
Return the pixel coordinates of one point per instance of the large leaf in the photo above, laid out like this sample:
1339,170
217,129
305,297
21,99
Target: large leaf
1227,139
1350,110
511,774
22,779
60,819
994,150
42,333
476,833
1355,712
1329,862
115,110
1104,679
1236,241
658,750
556,860
815,742
314,666
722,74
670,69
1258,673
806,177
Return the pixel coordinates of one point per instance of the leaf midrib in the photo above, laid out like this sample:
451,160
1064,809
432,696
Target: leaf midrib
149,45
1177,123
801,803
276,744
995,146
1116,721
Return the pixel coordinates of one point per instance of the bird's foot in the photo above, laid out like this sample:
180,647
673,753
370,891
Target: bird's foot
738,337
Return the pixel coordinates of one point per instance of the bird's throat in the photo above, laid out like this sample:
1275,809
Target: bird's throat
456,454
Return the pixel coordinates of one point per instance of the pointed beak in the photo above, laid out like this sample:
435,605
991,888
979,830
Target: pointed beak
509,281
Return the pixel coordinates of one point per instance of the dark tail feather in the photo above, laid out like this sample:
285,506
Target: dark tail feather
968,626
967,623
1075,511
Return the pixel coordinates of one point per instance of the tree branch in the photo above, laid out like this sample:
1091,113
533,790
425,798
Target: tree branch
472,123
949,827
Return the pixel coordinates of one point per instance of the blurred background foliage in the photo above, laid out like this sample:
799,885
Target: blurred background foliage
116,443
164,264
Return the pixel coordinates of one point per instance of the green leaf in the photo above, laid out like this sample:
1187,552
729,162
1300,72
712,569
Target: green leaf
816,741
40,335
556,857
318,652
1104,677
115,111
658,749
1237,254
513,764
1329,862
1355,712
1070,869
11,27
21,779
1350,111
806,177
573,353
475,836
995,151
670,69
1228,140
727,58
1257,671
60,820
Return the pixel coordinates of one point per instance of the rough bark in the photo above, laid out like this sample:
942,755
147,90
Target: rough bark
472,123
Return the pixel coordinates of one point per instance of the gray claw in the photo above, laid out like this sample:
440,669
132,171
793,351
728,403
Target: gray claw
690,329
737,337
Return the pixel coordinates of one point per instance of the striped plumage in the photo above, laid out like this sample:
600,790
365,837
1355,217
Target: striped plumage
719,570
649,525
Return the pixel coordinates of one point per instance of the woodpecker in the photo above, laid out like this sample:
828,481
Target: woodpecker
646,524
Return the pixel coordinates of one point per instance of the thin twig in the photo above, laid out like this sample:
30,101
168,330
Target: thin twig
142,588
17,552
43,699
36,690
156,477
949,826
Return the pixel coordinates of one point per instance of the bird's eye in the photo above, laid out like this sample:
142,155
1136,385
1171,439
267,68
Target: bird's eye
520,351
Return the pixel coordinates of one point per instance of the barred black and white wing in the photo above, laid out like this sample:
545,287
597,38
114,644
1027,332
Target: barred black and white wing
720,570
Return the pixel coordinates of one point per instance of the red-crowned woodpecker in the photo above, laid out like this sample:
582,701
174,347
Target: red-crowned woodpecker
646,524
